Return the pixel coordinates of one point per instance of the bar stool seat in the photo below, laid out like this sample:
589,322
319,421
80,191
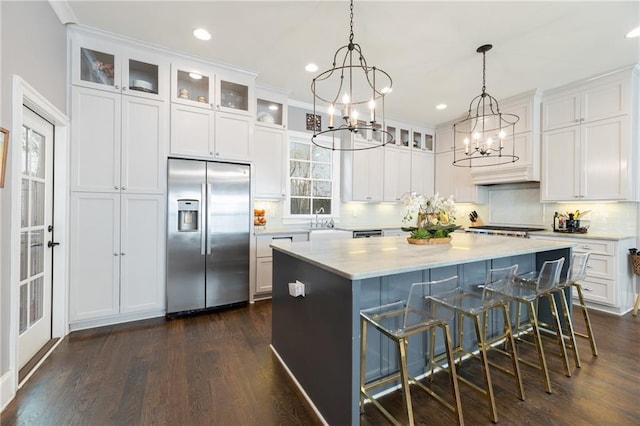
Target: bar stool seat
527,290
475,303
398,321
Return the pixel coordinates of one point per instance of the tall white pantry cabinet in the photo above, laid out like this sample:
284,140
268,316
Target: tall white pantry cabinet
119,136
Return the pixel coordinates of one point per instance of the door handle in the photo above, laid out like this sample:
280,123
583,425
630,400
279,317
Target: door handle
208,217
203,231
52,244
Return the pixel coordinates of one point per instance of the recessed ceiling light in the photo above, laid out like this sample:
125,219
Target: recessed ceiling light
311,67
634,33
195,76
441,106
201,34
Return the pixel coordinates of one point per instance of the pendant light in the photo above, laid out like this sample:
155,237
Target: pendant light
485,130
353,93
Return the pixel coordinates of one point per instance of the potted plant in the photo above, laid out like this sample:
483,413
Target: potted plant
435,219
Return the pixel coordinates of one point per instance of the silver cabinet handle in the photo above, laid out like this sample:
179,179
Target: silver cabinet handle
115,187
585,246
122,254
123,188
587,288
117,87
124,87
115,254
589,267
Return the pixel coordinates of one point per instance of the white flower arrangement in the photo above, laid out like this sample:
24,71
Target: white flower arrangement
434,216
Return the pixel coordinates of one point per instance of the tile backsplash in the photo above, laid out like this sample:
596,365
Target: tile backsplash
511,204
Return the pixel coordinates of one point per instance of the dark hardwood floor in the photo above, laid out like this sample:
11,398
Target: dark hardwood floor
217,369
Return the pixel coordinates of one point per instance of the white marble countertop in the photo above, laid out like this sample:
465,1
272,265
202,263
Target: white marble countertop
374,257
594,235
259,230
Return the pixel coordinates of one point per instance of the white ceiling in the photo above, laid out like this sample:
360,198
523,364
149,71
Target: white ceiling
428,47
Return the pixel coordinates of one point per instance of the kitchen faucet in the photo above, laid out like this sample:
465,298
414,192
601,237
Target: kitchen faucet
320,210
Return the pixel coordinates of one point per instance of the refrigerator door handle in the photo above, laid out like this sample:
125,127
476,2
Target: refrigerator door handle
209,224
203,231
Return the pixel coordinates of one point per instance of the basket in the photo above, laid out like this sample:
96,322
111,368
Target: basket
635,260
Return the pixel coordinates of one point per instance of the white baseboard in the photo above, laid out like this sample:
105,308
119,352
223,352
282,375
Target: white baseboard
7,391
299,386
118,319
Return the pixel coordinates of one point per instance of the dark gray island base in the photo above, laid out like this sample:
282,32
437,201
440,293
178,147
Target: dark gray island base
317,337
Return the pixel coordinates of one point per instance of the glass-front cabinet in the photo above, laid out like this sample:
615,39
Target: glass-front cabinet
235,93
193,85
271,108
100,64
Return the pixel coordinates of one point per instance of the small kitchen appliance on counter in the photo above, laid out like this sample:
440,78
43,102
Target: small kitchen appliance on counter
569,222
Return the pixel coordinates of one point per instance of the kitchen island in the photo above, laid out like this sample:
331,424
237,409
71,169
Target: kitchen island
317,337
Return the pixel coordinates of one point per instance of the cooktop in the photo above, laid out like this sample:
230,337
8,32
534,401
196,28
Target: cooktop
507,228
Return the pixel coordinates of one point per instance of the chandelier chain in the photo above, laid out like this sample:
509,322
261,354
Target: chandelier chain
484,71
351,23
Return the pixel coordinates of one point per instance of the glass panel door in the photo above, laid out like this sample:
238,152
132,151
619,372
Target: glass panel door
35,218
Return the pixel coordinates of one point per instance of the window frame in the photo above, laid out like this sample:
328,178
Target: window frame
287,216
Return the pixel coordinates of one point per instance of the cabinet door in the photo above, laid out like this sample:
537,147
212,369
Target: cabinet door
192,131
268,162
561,111
144,136
422,173
95,64
560,178
368,166
192,85
606,157
233,136
145,75
397,173
264,271
142,251
445,174
444,140
235,93
94,253
95,140
605,100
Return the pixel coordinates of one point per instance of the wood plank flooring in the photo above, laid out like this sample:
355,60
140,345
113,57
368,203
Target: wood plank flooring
217,369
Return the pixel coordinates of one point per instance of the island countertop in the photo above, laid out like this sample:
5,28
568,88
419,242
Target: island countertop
375,257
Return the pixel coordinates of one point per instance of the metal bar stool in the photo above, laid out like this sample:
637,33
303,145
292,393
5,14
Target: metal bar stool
476,302
527,290
577,273
398,321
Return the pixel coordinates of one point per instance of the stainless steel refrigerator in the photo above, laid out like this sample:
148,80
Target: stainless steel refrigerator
207,234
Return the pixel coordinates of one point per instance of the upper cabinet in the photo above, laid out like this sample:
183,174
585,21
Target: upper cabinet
268,146
100,64
526,138
588,139
212,112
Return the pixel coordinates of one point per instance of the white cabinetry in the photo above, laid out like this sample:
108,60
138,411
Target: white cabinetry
397,172
264,261
422,172
362,173
118,142
526,137
99,63
268,146
116,255
452,180
588,150
212,112
609,284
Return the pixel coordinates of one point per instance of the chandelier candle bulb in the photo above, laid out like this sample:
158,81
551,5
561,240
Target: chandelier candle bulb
372,108
332,111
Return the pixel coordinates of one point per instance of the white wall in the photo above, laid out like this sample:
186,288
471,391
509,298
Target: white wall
33,46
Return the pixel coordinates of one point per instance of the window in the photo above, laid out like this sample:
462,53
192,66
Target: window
313,178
